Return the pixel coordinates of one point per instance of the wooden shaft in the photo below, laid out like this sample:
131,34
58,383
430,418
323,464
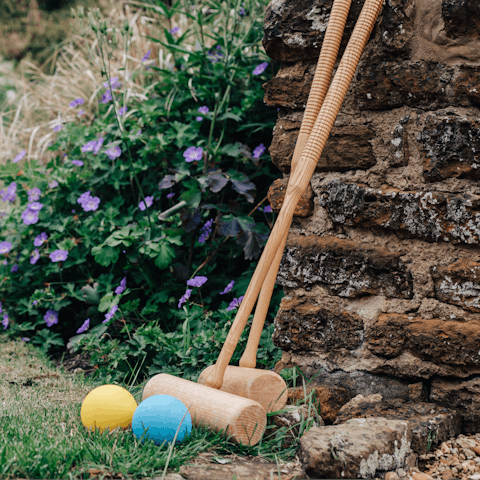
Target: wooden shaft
264,386
241,418
318,90
300,179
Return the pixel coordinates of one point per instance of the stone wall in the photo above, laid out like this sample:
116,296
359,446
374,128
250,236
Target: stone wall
382,267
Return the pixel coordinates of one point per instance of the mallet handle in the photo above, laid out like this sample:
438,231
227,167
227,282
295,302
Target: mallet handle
300,178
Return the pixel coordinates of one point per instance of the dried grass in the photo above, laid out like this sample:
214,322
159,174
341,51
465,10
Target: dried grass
42,100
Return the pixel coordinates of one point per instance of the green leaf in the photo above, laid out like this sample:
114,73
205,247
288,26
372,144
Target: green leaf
108,301
165,257
104,256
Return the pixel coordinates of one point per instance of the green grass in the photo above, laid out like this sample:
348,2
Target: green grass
41,434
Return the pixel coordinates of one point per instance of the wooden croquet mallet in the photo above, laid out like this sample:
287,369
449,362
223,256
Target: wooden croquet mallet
243,418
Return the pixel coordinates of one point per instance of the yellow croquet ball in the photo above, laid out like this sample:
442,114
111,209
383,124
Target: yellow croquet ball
108,406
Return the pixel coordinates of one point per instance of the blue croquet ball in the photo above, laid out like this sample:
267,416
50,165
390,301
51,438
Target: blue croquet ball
159,416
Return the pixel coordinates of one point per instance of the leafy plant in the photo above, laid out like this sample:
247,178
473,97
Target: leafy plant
152,192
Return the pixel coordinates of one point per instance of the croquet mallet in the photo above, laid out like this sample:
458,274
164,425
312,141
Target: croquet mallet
244,419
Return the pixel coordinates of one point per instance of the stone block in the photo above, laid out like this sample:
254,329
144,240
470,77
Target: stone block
452,148
347,148
327,399
461,17
442,342
359,448
458,284
295,30
421,84
428,215
417,392
345,268
276,196
303,325
426,420
461,395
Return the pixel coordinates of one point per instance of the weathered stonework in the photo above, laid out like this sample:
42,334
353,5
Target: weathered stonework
382,277
276,195
428,215
452,148
459,284
344,268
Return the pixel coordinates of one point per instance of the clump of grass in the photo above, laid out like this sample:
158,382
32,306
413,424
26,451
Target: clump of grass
41,434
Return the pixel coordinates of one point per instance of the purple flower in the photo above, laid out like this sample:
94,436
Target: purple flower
52,184
148,200
122,111
58,255
206,231
14,268
78,163
25,339
110,314
196,281
235,303
106,97
5,262
91,204
51,318
19,157
1,309
5,247
40,239
34,302
203,110
91,145
185,296
83,197
259,69
267,209
228,287
139,132
57,128
241,12
145,57
97,147
258,151
123,285
113,152
10,194
170,195
34,194
5,321
29,217
113,82
192,153
80,113
174,30
35,206
35,256
84,326
75,103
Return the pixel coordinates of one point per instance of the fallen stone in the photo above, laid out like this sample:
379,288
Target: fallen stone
441,341
276,196
170,476
359,448
345,268
452,148
241,469
327,399
293,420
428,215
421,476
391,476
428,422
458,284
461,395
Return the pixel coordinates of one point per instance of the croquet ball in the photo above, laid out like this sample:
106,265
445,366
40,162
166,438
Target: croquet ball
108,406
158,418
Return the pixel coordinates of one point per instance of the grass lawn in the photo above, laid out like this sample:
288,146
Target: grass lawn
42,437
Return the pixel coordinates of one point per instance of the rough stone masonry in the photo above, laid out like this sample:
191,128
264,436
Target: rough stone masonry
381,270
